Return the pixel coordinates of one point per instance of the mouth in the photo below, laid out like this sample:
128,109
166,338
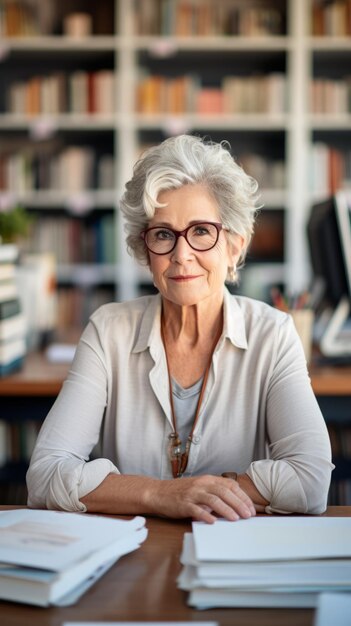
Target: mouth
180,279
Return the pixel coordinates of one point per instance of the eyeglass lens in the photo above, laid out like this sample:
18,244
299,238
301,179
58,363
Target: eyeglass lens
199,236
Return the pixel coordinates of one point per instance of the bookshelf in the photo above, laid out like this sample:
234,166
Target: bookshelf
256,73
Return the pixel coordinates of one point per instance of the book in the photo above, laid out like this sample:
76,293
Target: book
11,366
8,290
7,271
12,350
51,557
266,562
12,321
12,326
36,279
8,252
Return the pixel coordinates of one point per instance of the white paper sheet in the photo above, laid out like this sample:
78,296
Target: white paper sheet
327,572
54,540
273,538
333,609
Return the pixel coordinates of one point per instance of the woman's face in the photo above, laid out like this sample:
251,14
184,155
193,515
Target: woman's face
186,276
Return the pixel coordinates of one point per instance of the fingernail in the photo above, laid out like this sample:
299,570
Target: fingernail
234,516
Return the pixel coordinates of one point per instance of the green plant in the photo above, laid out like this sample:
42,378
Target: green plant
14,223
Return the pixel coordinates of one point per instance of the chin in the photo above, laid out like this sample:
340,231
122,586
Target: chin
183,299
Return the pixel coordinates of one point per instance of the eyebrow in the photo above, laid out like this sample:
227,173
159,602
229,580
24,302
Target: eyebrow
192,223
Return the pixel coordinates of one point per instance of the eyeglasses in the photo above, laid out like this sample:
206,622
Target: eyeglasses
201,236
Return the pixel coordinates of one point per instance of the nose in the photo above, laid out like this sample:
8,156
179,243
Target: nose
182,249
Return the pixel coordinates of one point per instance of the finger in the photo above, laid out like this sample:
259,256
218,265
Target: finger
223,508
236,499
203,513
235,488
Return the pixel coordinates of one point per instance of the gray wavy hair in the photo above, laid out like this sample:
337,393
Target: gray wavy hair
189,160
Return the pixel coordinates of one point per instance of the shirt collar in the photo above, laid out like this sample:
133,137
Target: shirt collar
234,323
150,325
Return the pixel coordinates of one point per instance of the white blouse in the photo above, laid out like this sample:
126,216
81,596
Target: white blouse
259,414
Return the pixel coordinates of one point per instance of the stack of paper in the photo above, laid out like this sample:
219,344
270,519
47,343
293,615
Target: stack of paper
266,561
51,557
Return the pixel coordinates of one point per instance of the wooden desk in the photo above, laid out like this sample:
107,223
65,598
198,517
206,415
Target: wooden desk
38,377
330,380
142,587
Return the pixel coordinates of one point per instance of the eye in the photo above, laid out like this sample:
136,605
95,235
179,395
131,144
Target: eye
201,229
163,234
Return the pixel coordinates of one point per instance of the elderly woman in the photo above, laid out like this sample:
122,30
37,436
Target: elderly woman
193,382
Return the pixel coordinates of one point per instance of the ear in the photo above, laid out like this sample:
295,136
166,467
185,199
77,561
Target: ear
236,244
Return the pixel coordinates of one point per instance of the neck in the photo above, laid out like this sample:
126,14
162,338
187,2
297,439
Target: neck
191,324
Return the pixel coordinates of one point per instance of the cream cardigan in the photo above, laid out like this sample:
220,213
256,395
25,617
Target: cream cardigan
259,414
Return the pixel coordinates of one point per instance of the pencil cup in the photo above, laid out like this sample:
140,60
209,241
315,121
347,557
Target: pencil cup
303,320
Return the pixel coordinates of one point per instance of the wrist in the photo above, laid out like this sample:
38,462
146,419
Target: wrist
246,484
232,475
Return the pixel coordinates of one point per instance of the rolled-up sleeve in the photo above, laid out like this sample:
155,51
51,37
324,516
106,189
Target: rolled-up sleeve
60,472
296,476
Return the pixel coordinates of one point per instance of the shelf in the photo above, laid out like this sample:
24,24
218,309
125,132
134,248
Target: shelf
339,121
163,46
46,126
77,203
329,44
276,137
57,43
172,124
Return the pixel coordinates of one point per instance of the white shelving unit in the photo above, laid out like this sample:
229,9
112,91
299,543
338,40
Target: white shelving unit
295,130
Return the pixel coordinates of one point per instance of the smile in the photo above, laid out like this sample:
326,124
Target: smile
183,278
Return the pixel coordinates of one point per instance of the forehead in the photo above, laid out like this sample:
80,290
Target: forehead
186,204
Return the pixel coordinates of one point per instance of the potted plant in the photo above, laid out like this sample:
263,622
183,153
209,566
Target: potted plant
14,224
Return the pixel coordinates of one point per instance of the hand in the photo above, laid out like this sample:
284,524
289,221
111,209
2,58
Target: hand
203,498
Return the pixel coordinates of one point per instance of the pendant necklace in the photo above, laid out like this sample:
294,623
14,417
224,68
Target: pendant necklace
179,459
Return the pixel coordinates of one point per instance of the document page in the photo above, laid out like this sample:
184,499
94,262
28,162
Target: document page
273,538
53,540
333,608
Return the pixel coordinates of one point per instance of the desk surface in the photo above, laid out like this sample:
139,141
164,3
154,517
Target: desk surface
142,587
38,377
